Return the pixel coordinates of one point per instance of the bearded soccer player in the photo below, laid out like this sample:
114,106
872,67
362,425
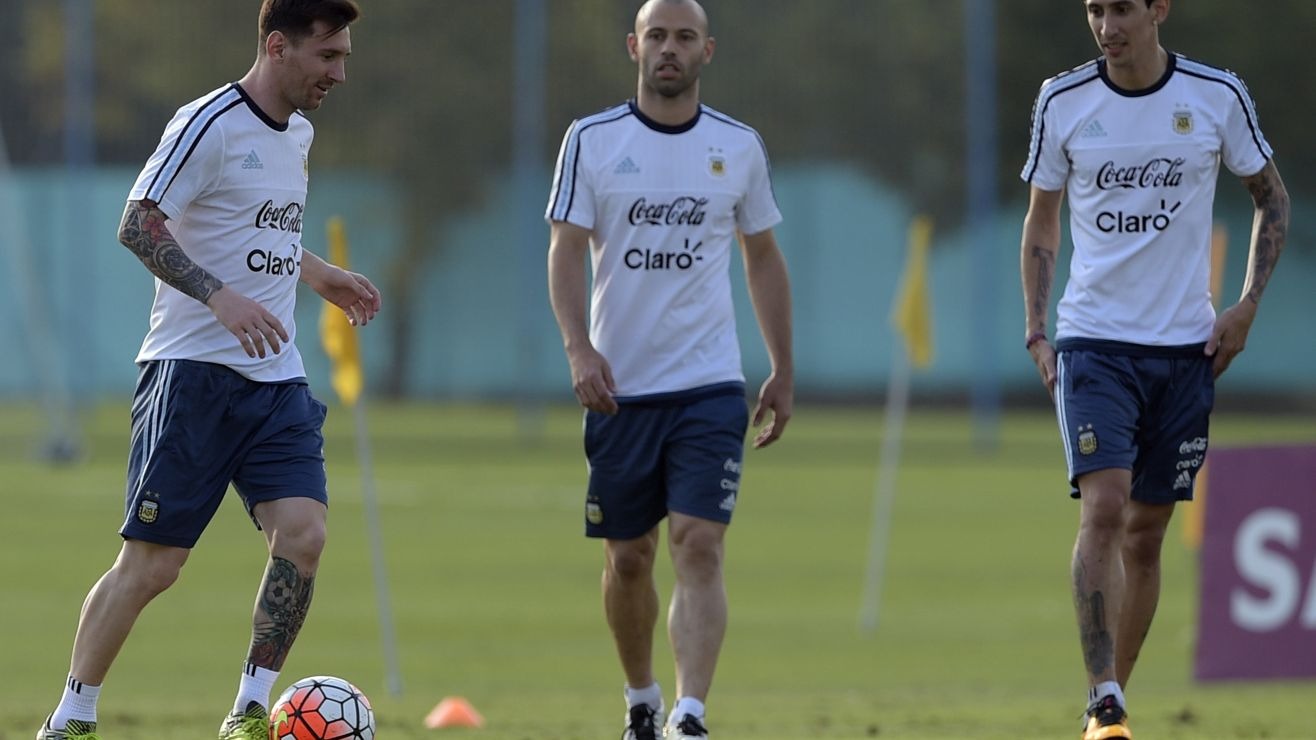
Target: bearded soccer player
216,215
655,191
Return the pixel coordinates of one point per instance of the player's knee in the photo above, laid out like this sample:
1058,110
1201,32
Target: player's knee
1142,547
302,544
631,561
1103,512
698,551
149,576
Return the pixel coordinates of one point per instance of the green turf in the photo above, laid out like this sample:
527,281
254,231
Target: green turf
496,598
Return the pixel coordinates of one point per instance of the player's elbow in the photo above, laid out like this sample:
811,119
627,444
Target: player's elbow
131,226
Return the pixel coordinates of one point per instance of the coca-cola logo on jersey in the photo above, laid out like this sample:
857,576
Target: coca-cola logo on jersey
283,218
1161,172
683,211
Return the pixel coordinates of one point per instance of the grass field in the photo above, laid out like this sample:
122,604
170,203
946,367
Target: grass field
495,591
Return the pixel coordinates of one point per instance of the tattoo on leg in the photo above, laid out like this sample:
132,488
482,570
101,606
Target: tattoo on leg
284,599
1046,267
1093,635
1097,646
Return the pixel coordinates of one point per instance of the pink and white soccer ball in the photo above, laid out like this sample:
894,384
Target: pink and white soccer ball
322,708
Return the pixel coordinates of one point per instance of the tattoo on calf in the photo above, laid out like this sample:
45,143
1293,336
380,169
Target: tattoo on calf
1098,645
285,597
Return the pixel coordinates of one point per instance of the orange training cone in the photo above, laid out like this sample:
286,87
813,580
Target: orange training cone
453,711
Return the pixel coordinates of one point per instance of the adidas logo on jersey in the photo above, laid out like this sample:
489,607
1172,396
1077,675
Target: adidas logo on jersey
1093,130
1183,481
627,167
252,162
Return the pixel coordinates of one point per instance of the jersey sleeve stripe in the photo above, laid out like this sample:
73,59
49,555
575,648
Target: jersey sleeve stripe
767,161
192,132
1235,84
564,195
1050,90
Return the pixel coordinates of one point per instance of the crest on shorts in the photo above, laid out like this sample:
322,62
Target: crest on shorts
1087,440
1183,122
593,513
148,512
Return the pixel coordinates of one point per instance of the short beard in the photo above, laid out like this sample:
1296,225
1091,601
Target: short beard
672,88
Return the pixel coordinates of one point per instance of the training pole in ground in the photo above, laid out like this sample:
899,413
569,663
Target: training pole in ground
348,378
911,317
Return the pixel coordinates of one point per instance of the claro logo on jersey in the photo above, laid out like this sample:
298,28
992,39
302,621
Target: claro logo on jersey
685,210
269,263
283,218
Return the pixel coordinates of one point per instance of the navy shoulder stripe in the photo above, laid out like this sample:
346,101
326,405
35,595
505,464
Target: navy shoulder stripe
564,194
724,118
1235,84
1052,88
188,138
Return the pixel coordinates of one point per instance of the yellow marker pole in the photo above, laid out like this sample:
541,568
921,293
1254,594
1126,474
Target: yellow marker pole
911,317
348,379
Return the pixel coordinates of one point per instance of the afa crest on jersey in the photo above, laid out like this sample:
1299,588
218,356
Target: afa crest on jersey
1183,122
717,165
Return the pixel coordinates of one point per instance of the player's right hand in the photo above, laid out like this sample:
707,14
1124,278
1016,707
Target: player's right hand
591,378
247,320
1044,356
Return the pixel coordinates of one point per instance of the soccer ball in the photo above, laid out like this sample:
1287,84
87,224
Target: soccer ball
322,708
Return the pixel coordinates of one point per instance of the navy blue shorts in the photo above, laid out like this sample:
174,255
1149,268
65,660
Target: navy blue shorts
1137,408
679,452
196,427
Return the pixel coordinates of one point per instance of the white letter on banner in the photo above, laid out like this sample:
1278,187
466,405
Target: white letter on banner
1265,570
1309,611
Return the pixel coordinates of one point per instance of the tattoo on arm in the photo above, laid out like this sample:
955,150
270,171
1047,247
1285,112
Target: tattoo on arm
1045,260
144,233
285,597
1269,228
1090,604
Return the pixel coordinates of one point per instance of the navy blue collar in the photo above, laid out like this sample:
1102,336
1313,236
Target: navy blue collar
663,128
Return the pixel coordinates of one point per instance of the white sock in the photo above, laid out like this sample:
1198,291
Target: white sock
687,705
256,685
78,702
1104,689
651,695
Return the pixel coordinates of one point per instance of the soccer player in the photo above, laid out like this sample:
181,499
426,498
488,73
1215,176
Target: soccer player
1136,138
655,191
216,215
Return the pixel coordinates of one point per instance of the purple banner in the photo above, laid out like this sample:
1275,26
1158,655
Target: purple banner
1257,616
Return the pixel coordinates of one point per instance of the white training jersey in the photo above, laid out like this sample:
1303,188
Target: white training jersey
233,183
663,204
1140,168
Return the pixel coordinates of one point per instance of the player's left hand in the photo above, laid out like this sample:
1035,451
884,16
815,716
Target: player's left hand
778,397
352,292
1229,334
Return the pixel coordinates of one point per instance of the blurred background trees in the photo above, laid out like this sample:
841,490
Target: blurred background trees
873,85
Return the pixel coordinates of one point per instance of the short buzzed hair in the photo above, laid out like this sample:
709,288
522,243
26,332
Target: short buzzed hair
296,18
642,13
